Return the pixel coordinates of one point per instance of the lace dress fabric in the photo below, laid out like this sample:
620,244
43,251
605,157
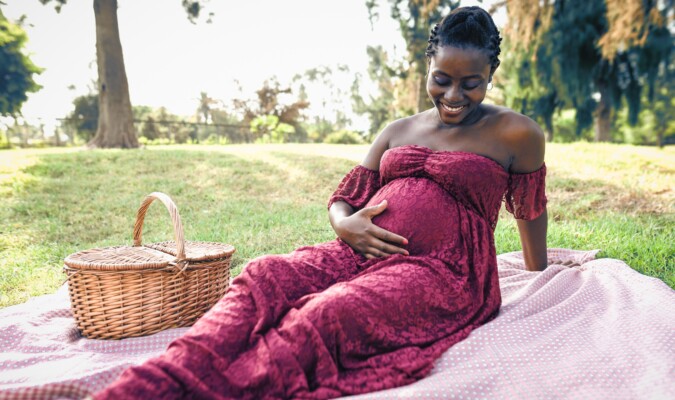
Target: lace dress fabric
526,197
324,321
357,187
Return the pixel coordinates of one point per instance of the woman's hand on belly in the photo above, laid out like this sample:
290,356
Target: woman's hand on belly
359,232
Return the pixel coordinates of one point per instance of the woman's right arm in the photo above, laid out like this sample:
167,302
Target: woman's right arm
356,227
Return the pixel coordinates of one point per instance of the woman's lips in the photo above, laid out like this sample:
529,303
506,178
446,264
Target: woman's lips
453,110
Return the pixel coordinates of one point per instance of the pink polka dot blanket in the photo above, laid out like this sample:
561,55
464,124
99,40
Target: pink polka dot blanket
585,328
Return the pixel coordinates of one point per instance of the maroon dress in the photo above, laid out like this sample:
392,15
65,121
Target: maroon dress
323,321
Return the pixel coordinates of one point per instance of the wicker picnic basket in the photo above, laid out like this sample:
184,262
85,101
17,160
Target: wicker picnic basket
126,291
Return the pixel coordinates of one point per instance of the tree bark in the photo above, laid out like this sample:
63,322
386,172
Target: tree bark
115,120
603,116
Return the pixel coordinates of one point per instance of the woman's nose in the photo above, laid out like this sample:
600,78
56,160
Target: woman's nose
454,93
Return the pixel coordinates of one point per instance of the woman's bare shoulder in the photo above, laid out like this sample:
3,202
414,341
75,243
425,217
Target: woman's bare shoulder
394,130
404,125
522,137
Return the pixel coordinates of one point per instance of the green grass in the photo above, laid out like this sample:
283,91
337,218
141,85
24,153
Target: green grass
271,199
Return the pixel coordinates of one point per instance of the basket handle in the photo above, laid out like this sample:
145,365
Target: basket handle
175,218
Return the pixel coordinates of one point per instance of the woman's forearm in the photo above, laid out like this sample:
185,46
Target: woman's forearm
533,240
337,212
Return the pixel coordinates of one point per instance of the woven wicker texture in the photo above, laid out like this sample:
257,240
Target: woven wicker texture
119,292
195,251
119,258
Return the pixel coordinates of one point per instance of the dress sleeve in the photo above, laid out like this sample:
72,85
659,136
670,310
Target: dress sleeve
357,187
526,195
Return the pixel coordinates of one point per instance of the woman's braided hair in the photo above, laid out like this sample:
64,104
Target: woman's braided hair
466,27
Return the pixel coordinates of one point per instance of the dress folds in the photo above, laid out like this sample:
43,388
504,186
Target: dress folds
324,321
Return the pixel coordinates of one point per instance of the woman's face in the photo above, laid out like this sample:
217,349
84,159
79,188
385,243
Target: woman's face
457,82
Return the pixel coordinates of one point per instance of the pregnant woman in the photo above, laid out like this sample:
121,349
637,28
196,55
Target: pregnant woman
413,270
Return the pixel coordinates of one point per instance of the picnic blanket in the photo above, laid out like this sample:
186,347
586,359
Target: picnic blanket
583,328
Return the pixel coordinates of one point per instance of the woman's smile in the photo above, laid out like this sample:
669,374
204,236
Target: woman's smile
457,83
451,109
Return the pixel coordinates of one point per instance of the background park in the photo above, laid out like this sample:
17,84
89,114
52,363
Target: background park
250,129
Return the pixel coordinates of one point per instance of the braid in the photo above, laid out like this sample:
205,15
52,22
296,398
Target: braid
433,42
467,27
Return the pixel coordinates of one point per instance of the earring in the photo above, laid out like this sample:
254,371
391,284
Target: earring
489,86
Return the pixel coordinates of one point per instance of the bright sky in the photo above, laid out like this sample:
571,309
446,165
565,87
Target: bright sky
169,60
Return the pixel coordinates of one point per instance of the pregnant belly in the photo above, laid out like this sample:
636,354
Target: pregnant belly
422,212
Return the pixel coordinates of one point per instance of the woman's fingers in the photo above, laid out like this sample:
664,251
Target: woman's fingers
374,253
389,237
371,240
391,249
385,243
382,249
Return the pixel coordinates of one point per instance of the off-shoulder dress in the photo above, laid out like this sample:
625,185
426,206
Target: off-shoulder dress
324,321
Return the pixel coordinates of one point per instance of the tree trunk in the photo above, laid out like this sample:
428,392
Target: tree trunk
548,126
57,138
603,114
115,118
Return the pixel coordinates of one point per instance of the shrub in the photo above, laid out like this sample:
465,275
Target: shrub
344,136
215,139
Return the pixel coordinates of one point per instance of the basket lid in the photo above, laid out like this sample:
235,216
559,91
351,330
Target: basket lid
195,251
119,258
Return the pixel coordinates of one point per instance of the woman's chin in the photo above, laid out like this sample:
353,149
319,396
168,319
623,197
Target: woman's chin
451,118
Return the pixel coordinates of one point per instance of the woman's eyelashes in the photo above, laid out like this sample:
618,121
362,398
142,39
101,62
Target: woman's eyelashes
444,81
471,85
441,80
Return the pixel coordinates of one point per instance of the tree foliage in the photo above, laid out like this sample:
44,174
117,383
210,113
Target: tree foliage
325,85
268,129
630,23
273,100
344,136
585,55
394,97
415,19
17,71
84,117
527,86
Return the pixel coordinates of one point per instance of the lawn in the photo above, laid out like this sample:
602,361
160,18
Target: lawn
271,199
